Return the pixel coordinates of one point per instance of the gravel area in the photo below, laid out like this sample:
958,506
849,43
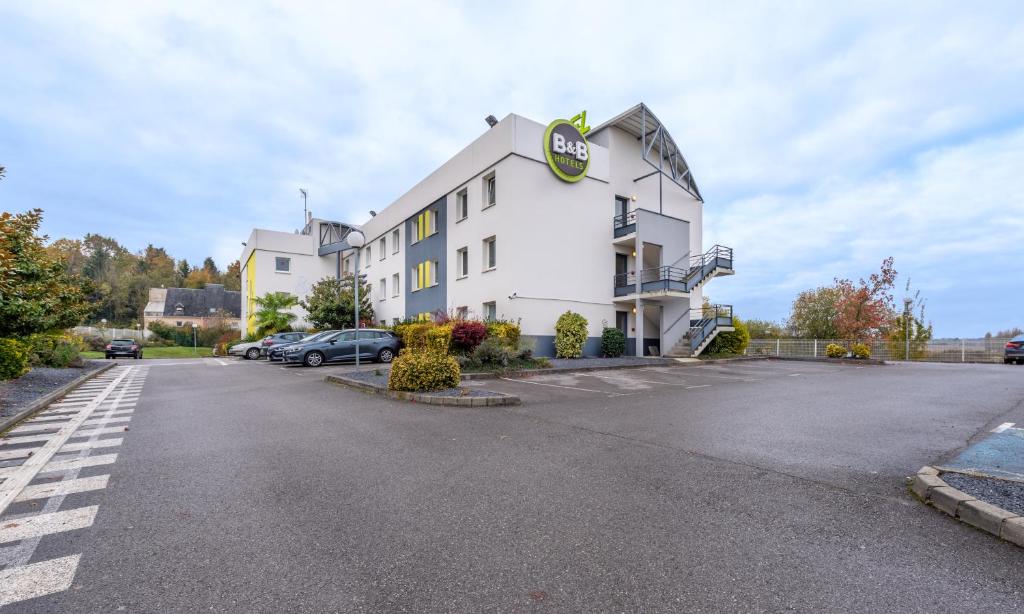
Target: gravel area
371,377
623,361
16,394
1003,493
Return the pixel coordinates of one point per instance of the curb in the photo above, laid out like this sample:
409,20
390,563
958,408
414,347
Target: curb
551,370
995,520
50,397
425,397
836,361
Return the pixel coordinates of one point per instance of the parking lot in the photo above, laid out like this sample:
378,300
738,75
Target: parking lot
765,485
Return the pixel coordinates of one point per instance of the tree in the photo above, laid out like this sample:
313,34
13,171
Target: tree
37,294
198,278
764,329
865,310
183,270
1009,333
814,314
232,278
3,171
331,303
920,335
211,267
271,316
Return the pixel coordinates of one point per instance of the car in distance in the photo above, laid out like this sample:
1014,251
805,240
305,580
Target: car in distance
123,347
251,351
279,338
276,352
1014,350
374,344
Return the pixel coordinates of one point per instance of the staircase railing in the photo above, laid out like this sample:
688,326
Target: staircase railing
704,264
707,319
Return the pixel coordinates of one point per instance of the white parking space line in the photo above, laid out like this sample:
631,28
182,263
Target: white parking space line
112,442
64,487
80,463
522,381
38,579
1002,427
47,524
104,431
700,386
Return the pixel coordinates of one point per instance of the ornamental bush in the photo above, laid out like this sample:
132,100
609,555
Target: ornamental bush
439,338
732,342
57,350
834,350
414,336
423,372
507,332
613,342
570,335
860,350
14,357
467,335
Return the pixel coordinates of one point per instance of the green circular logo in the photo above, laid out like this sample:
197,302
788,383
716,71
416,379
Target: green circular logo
566,150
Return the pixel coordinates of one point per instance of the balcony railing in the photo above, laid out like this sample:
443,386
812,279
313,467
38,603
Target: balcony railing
705,320
669,278
624,224
717,256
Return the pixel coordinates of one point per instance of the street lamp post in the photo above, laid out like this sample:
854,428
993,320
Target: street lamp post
356,240
906,325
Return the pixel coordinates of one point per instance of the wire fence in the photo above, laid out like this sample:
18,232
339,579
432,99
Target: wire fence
939,350
111,333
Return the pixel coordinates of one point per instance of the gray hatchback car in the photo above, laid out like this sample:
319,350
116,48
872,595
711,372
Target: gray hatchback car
1014,350
374,344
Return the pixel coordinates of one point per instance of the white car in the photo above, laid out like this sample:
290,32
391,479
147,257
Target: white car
250,351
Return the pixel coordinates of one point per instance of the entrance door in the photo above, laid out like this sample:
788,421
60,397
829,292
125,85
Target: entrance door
621,264
622,322
621,208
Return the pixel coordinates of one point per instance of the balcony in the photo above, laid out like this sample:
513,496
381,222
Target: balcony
623,225
669,281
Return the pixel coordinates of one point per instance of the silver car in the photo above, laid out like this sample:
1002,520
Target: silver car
251,351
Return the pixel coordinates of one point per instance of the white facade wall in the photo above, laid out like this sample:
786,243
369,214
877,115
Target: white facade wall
555,247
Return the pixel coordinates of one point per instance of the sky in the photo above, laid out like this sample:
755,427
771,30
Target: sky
823,136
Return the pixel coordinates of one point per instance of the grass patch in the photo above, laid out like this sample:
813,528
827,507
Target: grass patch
162,352
519,364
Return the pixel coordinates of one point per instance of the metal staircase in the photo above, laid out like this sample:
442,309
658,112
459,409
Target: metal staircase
712,263
705,324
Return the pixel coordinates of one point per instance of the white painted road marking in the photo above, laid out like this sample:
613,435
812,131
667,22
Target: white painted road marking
46,524
520,381
1002,427
79,463
65,487
38,579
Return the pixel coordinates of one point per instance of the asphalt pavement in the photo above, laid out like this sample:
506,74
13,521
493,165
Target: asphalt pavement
741,487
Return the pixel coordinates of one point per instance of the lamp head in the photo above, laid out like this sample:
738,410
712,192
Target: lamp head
356,239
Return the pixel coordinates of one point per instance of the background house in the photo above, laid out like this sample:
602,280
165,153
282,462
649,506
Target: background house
198,307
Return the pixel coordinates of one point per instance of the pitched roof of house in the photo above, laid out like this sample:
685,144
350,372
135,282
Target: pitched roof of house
203,303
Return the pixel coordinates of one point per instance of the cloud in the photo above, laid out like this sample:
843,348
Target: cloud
187,123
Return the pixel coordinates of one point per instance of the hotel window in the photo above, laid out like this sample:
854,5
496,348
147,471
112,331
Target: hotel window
346,265
367,256
432,217
462,205
394,285
282,265
462,313
462,262
490,311
490,253
383,248
383,292
490,191
395,241
424,275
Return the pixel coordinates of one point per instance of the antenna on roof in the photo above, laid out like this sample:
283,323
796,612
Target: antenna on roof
305,211
491,120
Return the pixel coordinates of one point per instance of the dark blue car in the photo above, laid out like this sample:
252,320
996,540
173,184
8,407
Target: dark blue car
374,344
276,352
1014,352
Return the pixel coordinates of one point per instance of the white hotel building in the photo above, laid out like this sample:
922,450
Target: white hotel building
522,225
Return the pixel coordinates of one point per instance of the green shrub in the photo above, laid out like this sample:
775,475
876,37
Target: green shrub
58,350
507,332
833,350
613,342
423,372
494,352
732,342
14,357
860,350
414,336
95,343
570,335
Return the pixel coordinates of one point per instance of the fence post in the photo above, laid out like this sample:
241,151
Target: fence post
778,347
962,353
815,348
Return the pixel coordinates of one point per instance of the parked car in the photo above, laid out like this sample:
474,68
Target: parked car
278,339
124,347
374,344
276,352
1014,351
251,350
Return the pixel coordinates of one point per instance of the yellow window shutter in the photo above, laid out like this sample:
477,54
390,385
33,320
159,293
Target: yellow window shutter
426,275
419,269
